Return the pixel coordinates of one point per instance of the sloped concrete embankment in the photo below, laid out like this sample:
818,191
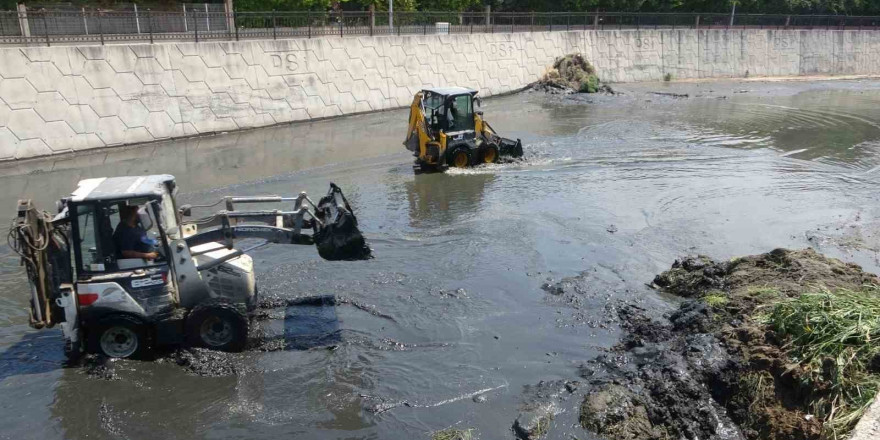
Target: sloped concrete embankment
64,98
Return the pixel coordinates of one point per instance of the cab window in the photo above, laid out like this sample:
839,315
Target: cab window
461,113
143,237
89,243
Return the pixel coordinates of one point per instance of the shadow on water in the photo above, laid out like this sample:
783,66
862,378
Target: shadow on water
35,353
311,322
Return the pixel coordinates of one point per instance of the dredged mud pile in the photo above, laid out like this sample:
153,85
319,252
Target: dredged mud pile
711,370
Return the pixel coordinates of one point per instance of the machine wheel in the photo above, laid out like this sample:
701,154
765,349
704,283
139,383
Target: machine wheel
120,336
489,153
460,157
217,324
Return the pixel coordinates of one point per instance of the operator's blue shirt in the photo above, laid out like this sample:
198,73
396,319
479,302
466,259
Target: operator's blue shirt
129,238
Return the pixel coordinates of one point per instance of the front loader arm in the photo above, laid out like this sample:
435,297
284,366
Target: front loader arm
330,224
417,135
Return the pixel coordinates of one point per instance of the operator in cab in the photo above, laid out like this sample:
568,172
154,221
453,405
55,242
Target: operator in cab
130,238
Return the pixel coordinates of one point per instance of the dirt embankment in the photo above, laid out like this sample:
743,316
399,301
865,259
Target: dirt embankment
774,346
571,74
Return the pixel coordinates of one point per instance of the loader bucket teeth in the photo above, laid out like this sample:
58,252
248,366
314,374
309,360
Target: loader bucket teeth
339,238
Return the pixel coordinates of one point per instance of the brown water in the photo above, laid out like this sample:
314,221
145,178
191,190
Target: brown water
615,187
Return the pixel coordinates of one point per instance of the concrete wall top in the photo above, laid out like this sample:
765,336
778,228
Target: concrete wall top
66,98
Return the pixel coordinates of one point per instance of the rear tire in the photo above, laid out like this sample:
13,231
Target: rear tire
121,337
217,324
459,157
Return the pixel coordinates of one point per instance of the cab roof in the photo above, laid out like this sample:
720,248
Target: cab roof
447,91
108,188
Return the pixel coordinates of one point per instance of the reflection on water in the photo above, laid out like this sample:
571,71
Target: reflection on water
613,188
438,199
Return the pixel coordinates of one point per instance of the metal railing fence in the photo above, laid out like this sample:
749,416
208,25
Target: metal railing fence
200,24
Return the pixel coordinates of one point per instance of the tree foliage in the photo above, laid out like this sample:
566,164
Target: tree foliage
848,7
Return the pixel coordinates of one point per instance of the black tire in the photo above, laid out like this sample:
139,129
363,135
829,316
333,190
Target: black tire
217,324
454,157
489,153
121,337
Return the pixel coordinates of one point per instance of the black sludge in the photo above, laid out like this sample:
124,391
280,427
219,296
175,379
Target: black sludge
339,238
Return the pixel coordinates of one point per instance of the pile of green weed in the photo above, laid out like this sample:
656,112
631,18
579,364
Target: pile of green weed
572,72
835,337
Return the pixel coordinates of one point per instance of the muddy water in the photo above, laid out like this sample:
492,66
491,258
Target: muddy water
452,307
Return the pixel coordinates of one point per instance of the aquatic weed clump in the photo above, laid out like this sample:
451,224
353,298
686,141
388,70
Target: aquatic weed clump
835,337
453,434
571,72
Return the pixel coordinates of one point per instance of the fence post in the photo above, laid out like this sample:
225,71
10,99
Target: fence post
532,23
150,24
341,23
596,20
23,20
787,20
309,18
697,22
46,27
185,25
372,18
235,25
101,27
196,24
274,32
488,18
568,22
207,18
230,14
85,22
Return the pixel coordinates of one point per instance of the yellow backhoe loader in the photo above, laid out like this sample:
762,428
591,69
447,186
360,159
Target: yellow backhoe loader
446,131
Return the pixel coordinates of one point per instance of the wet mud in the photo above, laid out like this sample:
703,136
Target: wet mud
315,332
710,369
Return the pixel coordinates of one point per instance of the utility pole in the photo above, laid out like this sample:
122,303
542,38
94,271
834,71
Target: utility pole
391,16
732,13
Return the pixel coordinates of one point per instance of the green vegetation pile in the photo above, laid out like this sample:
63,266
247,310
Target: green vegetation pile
803,331
571,72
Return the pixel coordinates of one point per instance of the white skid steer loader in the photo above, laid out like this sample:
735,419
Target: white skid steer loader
121,271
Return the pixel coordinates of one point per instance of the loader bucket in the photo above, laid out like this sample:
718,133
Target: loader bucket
339,238
511,148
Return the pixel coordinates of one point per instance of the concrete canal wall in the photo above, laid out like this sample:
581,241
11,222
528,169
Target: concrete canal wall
72,98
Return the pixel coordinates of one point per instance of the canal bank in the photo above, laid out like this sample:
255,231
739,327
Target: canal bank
65,99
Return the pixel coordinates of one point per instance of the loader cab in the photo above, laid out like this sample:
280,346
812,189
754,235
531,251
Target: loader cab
451,109
107,278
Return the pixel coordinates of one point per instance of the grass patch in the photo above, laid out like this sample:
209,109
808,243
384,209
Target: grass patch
764,294
715,299
453,434
667,77
835,337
